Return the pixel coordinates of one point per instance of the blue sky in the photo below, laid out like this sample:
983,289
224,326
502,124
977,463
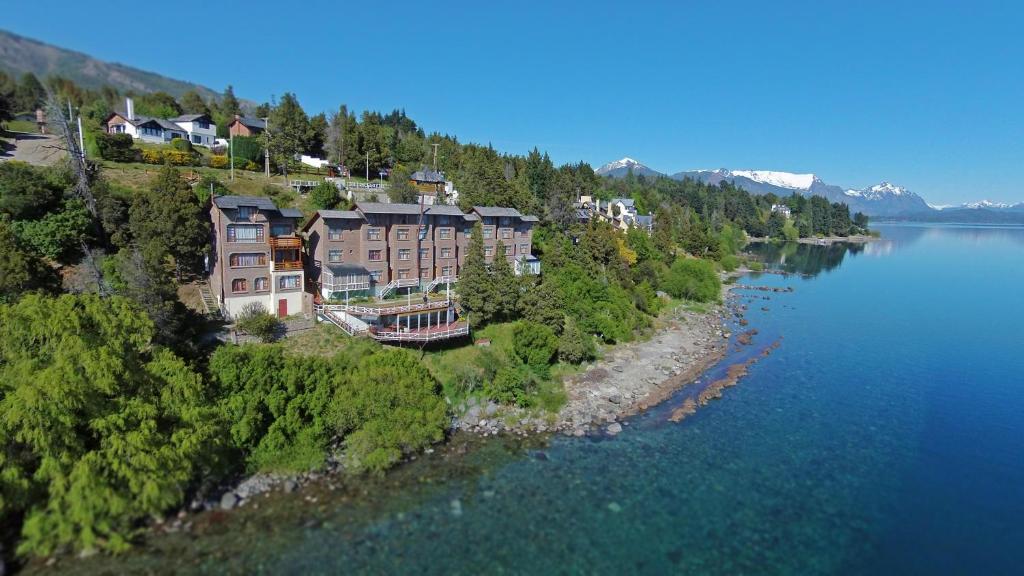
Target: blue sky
927,95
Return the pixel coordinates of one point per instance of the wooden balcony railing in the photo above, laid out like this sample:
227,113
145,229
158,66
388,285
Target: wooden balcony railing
287,265
285,242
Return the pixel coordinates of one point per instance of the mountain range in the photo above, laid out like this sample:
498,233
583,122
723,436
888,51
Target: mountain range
885,200
19,55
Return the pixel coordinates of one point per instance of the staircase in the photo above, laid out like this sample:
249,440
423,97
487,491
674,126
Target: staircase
438,281
348,323
391,286
210,305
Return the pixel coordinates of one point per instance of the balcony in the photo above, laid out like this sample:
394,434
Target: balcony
285,265
286,242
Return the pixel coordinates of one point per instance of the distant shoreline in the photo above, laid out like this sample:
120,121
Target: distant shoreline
822,241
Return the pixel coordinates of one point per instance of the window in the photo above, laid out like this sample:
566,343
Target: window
468,233
444,233
376,255
245,233
488,232
403,233
403,274
524,248
334,255
488,250
203,124
286,282
373,233
261,284
239,285
333,233
509,250
404,253
446,252
196,139
375,275
246,260
446,271
424,272
280,229
506,233
424,254
442,220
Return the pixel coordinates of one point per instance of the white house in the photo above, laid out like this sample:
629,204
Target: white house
200,129
782,209
197,128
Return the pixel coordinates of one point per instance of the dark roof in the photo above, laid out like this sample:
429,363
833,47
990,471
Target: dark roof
444,210
382,208
348,270
426,175
489,211
530,218
625,201
472,217
250,122
189,117
290,212
168,125
233,202
340,214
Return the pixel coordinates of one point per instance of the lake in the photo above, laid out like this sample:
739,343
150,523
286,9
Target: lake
883,436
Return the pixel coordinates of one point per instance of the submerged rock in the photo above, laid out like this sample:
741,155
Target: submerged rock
614,428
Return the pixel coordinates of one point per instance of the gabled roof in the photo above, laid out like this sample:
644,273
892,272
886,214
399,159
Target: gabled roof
233,202
383,208
340,214
530,218
189,117
625,201
492,211
427,175
290,212
168,125
250,122
444,210
348,270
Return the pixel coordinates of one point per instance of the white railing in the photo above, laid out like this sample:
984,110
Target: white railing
343,286
349,324
455,331
385,310
440,280
397,283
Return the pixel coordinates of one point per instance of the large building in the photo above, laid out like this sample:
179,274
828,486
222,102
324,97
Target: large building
256,256
377,249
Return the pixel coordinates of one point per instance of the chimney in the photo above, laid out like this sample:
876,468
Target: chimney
129,108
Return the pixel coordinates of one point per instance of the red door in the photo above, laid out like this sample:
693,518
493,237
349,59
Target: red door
282,308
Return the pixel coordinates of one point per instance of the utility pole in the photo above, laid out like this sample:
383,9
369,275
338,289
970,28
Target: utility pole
367,166
231,151
435,145
81,138
266,151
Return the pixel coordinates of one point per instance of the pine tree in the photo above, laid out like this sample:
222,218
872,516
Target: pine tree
505,285
476,289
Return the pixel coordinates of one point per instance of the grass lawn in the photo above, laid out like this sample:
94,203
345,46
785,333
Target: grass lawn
323,340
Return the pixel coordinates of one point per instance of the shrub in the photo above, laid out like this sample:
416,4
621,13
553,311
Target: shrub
534,344
575,346
729,262
693,279
256,321
116,147
756,266
324,196
251,166
181,145
219,161
247,149
179,157
152,156
511,385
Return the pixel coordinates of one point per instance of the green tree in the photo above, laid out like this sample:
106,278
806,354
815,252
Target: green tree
99,428
193,103
534,344
542,304
575,346
476,288
324,196
21,271
167,220
287,131
157,105
58,235
255,320
505,284
401,189
27,192
29,94
693,279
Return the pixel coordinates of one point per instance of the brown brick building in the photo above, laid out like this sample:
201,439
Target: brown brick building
256,256
378,248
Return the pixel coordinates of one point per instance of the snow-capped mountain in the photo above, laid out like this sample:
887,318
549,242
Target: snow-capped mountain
989,205
883,199
620,168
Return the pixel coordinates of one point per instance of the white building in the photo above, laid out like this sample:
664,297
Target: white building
196,128
200,128
782,209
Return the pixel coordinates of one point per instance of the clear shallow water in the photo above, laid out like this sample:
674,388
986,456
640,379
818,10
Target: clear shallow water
884,435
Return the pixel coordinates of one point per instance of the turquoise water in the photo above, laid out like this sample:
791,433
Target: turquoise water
884,436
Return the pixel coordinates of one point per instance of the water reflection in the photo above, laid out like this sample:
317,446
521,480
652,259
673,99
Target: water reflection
807,259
